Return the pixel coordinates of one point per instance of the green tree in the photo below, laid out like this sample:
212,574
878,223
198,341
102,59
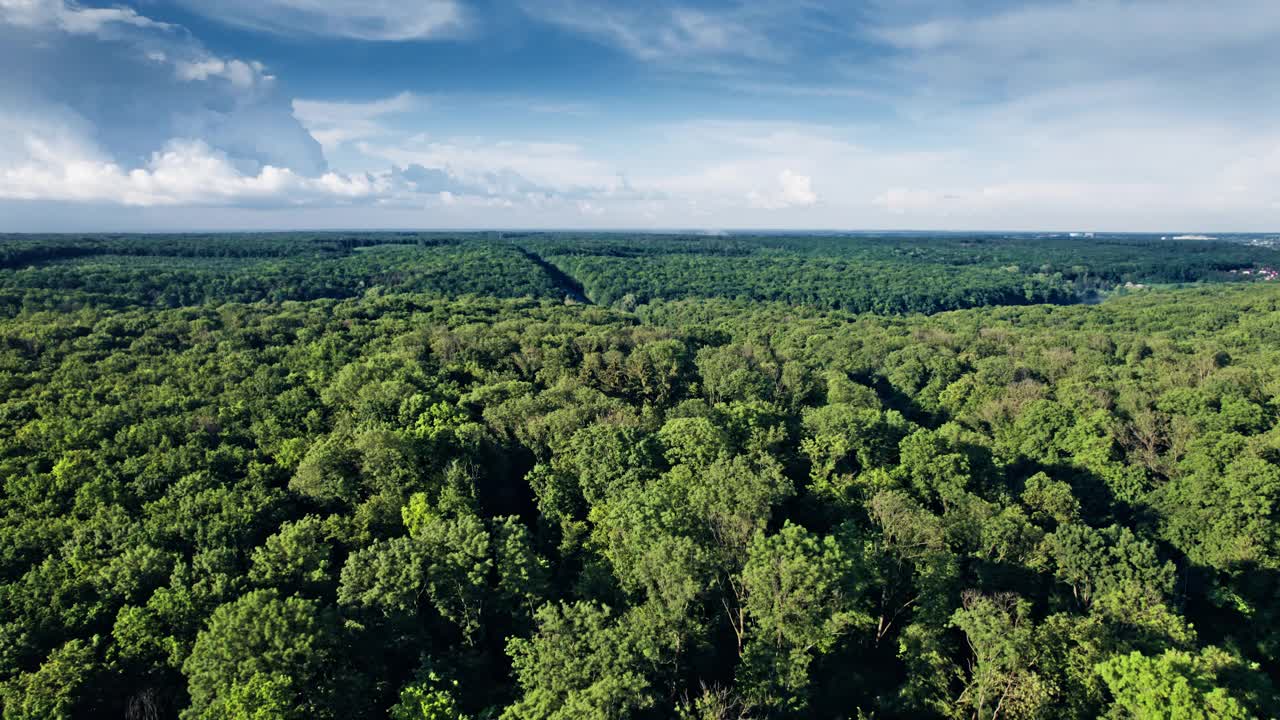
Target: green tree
802,597
329,473
1111,564
1003,679
389,577
429,698
52,692
581,663
524,576
266,648
457,555
1174,684
295,558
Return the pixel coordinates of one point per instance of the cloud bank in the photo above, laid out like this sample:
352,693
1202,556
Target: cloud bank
1055,114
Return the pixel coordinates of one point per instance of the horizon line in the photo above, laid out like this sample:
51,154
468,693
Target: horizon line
708,231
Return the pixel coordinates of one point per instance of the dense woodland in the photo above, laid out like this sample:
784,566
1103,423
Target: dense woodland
895,274
550,476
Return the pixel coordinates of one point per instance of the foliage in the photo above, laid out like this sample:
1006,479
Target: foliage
334,475
1173,685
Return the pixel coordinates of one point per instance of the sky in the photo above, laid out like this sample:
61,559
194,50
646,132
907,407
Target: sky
1107,115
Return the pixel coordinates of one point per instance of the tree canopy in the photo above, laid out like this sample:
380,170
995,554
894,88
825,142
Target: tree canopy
423,476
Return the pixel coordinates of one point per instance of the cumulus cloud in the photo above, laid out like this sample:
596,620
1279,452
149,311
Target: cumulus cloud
793,190
184,172
129,110
42,30
475,167
992,114
239,73
371,20
137,113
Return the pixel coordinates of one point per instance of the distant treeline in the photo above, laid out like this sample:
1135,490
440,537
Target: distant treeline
20,250
895,274
890,274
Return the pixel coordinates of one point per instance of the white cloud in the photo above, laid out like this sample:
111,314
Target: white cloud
335,123
506,184
187,173
661,32
472,166
505,166
996,169
156,42
1133,114
70,17
793,190
137,112
1182,54
1096,30
239,73
373,20
901,201
1123,115
1067,204
133,84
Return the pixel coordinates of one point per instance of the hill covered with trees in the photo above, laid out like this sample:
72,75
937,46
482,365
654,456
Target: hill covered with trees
329,476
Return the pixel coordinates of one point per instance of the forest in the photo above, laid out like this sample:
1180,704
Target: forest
537,476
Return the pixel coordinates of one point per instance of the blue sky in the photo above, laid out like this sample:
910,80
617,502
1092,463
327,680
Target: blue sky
916,114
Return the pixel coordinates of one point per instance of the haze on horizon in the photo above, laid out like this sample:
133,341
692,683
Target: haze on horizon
897,114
